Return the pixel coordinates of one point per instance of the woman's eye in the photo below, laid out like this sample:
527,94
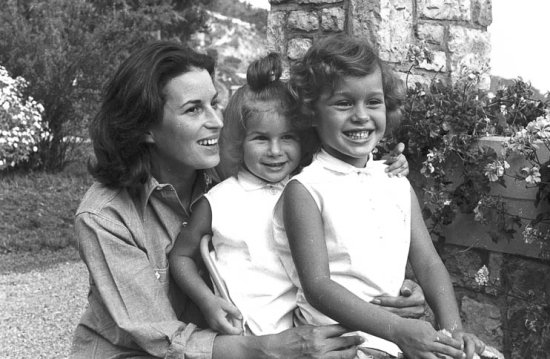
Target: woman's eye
215,104
193,110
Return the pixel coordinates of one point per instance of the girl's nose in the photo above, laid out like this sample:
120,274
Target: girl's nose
361,115
274,148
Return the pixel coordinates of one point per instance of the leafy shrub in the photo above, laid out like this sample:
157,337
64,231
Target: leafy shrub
441,128
21,125
67,49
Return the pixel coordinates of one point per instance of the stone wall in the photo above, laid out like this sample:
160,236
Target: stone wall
455,31
509,307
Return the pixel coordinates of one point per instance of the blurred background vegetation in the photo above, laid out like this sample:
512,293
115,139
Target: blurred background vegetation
66,50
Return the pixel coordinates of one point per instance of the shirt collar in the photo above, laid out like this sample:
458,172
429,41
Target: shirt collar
249,182
338,166
205,180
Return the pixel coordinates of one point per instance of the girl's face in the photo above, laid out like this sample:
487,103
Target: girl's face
351,120
271,148
187,136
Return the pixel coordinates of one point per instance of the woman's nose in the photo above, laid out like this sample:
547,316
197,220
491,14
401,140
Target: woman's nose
214,118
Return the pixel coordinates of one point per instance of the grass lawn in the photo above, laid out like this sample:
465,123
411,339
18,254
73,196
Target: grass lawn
37,208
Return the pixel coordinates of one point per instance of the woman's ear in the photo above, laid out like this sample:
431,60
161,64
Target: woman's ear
149,137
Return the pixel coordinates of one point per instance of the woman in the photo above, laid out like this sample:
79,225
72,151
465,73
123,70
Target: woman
155,139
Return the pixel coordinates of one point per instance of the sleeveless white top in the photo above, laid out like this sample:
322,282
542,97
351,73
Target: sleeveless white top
257,283
366,218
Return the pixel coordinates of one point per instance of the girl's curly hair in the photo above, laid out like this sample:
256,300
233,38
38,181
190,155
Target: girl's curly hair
330,59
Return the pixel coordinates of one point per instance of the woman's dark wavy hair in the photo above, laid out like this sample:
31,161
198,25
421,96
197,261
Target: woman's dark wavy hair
326,62
264,92
133,102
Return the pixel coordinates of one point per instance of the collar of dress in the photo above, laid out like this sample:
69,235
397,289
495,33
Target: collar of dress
338,166
249,182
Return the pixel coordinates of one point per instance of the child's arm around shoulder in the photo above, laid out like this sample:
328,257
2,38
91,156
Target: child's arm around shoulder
183,268
436,282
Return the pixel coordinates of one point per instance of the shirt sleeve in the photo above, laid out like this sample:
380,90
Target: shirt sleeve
131,296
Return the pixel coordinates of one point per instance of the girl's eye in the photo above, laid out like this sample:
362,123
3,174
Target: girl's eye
289,137
259,138
376,101
343,104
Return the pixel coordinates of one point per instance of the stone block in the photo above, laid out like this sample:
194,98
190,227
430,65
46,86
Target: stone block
470,51
333,19
297,47
396,29
320,2
482,12
482,319
276,36
431,33
303,20
365,19
445,10
439,62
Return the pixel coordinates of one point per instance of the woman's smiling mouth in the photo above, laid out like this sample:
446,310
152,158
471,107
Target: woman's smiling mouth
208,142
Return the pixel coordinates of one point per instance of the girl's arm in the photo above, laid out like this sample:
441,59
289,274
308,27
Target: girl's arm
304,227
435,280
184,270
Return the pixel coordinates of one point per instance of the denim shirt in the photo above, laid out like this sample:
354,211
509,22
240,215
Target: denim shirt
134,307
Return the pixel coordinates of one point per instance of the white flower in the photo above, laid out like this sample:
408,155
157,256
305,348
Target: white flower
482,276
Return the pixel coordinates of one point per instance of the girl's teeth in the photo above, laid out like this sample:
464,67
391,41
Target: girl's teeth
358,135
211,142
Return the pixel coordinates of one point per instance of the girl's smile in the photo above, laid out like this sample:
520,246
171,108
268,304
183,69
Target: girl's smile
271,148
351,120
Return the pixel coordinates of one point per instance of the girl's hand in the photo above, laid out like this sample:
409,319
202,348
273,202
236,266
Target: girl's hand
398,165
222,316
314,342
409,304
419,340
472,344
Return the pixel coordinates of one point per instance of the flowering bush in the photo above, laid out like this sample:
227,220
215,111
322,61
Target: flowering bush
21,125
441,128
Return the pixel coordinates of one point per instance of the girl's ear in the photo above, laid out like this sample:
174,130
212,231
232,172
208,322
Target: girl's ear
149,137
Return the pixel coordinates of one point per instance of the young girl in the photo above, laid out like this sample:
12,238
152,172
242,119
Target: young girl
343,228
259,149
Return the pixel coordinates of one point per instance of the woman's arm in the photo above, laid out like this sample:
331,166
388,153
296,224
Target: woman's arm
185,272
304,227
130,294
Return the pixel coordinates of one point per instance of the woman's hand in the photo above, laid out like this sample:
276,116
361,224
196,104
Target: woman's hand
398,165
409,304
315,342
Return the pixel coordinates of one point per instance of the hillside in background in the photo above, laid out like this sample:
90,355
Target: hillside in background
233,41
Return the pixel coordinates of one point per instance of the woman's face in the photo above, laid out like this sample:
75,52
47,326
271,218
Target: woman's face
187,136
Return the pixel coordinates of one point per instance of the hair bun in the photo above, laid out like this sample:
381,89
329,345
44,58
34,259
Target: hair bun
264,71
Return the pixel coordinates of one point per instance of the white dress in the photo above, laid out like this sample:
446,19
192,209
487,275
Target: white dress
366,218
257,283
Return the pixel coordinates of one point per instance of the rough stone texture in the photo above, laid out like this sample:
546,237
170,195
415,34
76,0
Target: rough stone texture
298,47
396,29
303,20
470,50
482,12
445,9
333,19
276,36
431,33
318,1
413,79
439,62
365,19
483,319
528,300
387,23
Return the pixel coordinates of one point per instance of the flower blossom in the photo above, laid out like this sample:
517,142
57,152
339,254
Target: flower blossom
495,170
